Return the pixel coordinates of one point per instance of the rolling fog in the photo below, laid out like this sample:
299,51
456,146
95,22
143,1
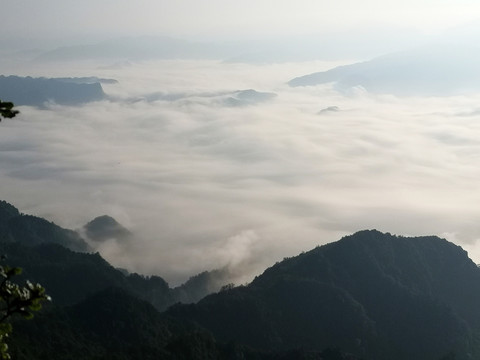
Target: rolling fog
204,182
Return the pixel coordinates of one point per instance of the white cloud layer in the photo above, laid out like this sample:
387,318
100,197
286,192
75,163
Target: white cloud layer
203,185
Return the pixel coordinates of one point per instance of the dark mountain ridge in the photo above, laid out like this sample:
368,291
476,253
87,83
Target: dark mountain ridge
376,295
427,266
113,324
31,230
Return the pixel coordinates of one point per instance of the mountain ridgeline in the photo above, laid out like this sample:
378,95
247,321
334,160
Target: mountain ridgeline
370,296
31,231
445,68
375,295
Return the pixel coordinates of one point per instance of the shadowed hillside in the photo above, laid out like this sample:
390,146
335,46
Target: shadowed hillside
373,294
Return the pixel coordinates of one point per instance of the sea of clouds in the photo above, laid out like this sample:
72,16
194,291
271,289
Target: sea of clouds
204,185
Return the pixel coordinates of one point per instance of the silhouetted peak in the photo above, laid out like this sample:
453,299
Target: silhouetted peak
103,220
105,227
429,246
364,293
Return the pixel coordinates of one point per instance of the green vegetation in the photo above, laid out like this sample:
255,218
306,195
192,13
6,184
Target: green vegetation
16,300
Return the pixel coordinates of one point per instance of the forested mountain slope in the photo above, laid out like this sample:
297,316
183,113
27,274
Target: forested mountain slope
376,295
30,230
62,261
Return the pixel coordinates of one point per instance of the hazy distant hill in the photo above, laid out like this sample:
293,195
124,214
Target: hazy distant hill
39,91
447,68
200,285
236,98
139,48
373,294
248,97
87,80
105,227
358,44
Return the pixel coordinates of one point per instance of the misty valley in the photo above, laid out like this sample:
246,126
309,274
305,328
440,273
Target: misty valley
258,200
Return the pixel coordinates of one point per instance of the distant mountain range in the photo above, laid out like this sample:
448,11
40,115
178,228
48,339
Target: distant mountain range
248,97
62,91
42,91
362,43
367,296
236,98
138,48
444,68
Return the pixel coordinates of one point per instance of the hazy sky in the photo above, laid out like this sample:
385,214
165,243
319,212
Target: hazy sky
226,19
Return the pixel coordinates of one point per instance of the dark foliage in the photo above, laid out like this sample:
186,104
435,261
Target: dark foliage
6,110
16,300
113,324
108,325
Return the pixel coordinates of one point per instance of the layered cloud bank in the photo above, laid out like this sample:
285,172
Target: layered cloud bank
204,181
